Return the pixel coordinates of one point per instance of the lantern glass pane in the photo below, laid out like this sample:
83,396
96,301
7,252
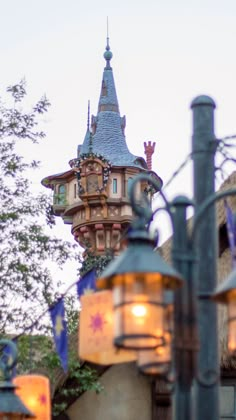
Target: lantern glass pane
169,318
156,362
138,311
232,326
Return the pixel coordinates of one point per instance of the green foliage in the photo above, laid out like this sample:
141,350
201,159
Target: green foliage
60,199
36,354
99,262
26,247
84,378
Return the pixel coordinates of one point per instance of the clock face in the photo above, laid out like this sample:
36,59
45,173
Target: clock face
92,167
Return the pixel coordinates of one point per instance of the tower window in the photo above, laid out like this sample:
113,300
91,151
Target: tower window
130,180
61,195
123,187
114,184
75,191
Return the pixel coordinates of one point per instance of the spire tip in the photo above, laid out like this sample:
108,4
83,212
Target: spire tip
108,54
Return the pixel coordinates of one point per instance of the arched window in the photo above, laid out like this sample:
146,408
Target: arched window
61,194
61,189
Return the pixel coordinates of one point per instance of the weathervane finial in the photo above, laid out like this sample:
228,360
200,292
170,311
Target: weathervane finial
107,54
88,114
107,47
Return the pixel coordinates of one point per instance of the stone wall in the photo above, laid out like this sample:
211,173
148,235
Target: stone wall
126,396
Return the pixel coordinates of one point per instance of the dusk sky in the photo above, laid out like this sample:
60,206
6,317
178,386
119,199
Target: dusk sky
164,54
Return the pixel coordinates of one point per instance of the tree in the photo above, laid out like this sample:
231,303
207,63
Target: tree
26,285
26,247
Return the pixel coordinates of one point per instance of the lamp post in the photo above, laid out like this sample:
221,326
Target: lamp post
139,276
11,406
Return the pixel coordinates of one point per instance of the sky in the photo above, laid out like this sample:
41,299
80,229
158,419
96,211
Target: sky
165,53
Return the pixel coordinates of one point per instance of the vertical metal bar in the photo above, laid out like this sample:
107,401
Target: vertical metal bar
204,147
185,319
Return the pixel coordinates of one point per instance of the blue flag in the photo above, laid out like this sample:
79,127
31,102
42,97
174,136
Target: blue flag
8,357
57,313
231,230
87,284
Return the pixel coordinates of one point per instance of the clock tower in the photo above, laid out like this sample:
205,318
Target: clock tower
92,195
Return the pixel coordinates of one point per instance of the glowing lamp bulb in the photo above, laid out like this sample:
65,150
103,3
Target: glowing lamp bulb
139,311
160,350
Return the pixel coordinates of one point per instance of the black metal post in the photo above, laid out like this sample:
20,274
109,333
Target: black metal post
204,147
186,343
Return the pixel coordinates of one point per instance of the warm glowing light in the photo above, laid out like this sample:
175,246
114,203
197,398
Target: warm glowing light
138,313
156,362
139,310
34,392
158,332
160,350
232,325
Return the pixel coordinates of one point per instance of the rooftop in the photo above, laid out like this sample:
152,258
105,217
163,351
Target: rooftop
108,127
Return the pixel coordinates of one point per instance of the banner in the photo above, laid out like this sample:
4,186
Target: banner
96,331
57,313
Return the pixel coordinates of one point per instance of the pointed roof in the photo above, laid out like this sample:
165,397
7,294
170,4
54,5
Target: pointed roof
108,138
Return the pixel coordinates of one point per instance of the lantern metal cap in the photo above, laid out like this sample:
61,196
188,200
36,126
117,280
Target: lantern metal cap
10,403
140,258
225,290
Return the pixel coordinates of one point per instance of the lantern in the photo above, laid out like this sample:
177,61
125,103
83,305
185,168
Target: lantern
138,310
96,329
34,391
11,406
156,362
138,278
226,293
